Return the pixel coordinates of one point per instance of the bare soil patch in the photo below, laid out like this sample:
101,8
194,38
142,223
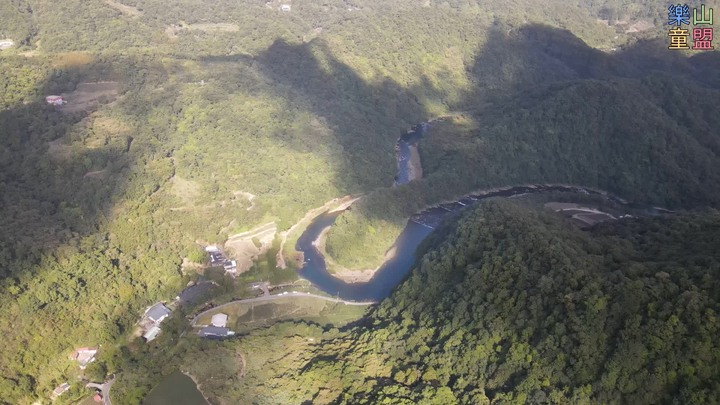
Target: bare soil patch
639,26
90,95
96,173
125,9
109,126
71,59
583,216
243,249
185,190
416,171
173,30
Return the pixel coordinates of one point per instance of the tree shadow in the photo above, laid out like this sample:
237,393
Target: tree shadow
535,55
63,176
53,190
366,117
551,109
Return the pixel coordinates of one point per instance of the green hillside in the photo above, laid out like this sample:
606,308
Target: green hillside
513,305
641,123
189,121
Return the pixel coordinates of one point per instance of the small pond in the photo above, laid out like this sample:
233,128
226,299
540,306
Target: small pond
176,389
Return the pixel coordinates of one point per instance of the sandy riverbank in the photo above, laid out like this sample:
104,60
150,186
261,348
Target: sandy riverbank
414,166
335,204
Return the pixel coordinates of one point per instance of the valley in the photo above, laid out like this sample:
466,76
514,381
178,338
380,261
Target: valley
136,133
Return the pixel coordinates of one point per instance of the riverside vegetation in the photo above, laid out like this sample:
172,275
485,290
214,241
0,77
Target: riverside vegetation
510,304
99,206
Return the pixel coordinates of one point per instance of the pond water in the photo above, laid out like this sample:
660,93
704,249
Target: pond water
175,389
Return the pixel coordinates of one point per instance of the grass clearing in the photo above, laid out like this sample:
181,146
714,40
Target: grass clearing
89,95
244,317
125,9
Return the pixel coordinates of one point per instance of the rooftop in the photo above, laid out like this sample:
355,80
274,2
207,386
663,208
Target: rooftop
214,331
157,312
60,389
152,333
219,320
84,355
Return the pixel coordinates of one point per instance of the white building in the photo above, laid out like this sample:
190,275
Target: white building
84,356
152,333
6,43
285,7
219,320
55,100
230,266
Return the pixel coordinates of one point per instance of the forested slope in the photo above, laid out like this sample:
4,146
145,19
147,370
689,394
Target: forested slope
512,305
217,101
547,108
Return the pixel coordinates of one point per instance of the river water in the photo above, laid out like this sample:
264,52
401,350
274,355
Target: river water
418,227
402,151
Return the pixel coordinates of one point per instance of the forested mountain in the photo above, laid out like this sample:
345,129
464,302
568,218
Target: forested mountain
512,305
189,121
639,123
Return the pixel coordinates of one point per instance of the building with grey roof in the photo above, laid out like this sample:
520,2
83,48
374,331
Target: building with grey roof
158,312
215,332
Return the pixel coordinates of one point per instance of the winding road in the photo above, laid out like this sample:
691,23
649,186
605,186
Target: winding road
279,296
104,389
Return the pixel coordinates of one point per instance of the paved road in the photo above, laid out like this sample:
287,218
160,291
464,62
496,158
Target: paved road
104,388
278,296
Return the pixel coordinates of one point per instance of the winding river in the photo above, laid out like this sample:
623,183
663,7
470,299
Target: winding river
418,227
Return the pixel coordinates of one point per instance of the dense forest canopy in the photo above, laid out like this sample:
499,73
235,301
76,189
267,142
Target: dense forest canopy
191,120
510,304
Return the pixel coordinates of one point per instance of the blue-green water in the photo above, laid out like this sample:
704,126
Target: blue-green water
175,389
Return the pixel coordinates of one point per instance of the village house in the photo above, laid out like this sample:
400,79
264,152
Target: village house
157,313
60,389
152,333
285,7
230,266
216,256
84,356
55,100
215,332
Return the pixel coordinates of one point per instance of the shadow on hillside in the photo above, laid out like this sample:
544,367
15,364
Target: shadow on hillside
534,55
516,69
637,122
61,177
366,118
58,180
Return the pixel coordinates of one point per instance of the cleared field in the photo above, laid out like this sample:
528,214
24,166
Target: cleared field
242,246
584,216
89,95
173,30
125,9
243,317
